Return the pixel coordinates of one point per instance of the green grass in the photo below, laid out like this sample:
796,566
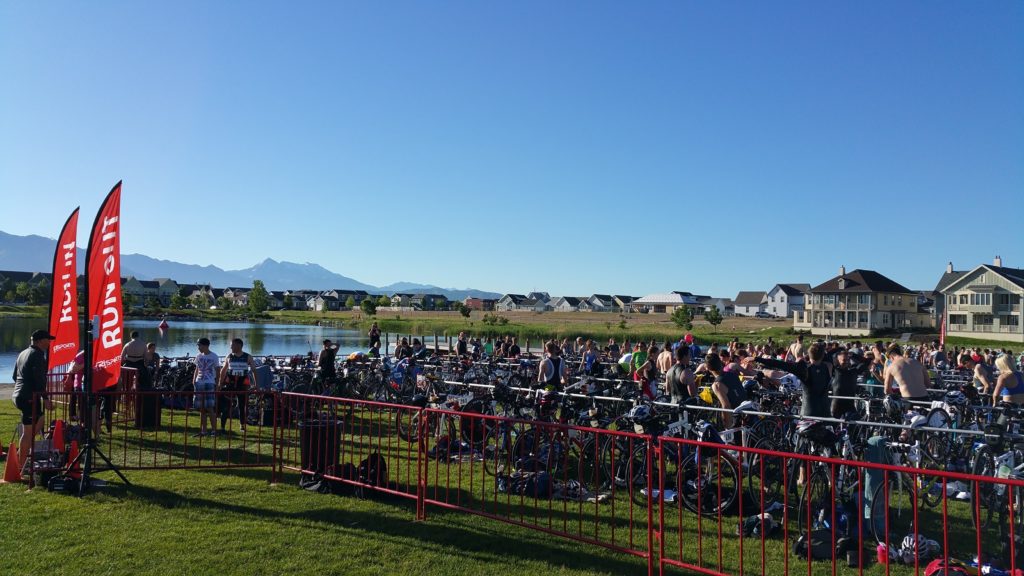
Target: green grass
235,522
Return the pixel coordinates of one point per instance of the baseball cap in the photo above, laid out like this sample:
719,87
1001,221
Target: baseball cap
204,341
41,334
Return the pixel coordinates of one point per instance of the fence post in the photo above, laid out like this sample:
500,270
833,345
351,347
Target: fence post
421,467
652,449
275,445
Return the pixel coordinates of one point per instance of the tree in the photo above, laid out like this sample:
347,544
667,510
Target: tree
21,289
383,301
178,302
37,295
463,309
153,302
127,300
288,302
683,318
225,303
200,301
713,316
259,299
369,307
350,302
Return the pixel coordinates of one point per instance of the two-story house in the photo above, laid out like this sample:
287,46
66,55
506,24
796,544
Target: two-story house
784,299
984,303
859,303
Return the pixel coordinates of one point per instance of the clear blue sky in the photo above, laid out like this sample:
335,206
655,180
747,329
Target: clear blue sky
569,147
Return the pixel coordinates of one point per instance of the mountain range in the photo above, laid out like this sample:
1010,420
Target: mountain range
35,254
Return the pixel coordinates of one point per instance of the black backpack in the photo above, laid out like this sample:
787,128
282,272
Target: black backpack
819,542
373,470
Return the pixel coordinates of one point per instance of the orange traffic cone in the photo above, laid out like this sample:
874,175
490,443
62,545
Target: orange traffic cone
58,437
74,471
12,468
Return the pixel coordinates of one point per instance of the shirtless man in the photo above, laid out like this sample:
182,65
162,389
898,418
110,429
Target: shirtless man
911,376
796,349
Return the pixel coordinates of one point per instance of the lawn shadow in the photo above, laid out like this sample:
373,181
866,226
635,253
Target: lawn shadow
483,543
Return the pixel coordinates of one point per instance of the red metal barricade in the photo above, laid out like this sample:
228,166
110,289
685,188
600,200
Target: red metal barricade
154,430
676,504
584,484
346,442
754,505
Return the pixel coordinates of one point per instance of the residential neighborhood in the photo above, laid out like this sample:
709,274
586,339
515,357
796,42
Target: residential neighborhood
981,302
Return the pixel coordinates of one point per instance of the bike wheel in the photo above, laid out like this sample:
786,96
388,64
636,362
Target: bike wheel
711,483
767,474
817,507
474,430
408,424
892,509
497,449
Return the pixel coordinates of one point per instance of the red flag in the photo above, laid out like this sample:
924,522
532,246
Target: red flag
103,291
942,330
64,298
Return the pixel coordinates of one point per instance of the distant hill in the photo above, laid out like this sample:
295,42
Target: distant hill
35,254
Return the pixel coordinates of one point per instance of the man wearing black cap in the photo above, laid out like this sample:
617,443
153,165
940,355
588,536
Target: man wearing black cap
29,380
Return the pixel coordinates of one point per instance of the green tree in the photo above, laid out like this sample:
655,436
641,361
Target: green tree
225,303
153,302
383,301
178,302
683,318
350,302
21,289
259,299
200,301
288,301
463,309
127,300
714,317
36,295
369,307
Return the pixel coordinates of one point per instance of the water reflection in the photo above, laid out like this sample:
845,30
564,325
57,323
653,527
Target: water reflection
180,338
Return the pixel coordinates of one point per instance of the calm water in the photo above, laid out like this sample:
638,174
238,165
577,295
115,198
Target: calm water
180,338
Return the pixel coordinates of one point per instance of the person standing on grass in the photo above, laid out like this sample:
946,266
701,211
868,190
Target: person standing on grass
908,374
133,355
325,361
665,359
234,380
374,335
552,373
680,382
461,346
30,381
204,383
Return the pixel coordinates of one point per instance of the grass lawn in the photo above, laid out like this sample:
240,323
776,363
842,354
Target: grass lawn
234,522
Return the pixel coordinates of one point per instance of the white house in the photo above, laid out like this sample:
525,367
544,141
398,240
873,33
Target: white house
567,304
784,299
985,303
597,303
749,303
661,303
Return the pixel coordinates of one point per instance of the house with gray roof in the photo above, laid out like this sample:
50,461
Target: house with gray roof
983,303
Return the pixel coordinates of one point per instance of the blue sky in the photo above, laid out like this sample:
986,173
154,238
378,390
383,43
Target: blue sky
569,147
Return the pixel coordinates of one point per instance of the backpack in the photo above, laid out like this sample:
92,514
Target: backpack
821,545
373,470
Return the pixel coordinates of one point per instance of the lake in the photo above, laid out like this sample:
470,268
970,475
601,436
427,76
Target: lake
180,338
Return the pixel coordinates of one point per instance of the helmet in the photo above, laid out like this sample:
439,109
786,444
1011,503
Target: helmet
918,421
747,406
750,386
790,383
640,413
956,398
912,547
419,400
892,406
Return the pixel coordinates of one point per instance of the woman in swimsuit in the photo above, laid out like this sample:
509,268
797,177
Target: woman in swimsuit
1010,384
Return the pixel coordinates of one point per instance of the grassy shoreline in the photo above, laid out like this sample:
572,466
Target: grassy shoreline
532,326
